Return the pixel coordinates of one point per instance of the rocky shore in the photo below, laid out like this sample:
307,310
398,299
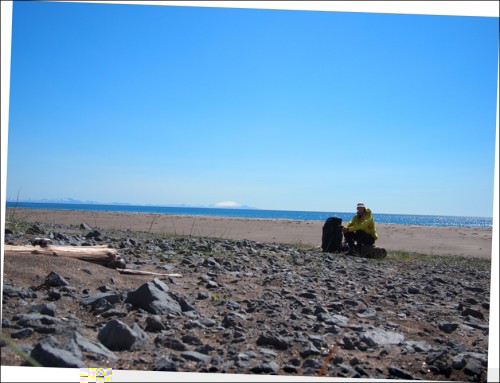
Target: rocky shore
243,307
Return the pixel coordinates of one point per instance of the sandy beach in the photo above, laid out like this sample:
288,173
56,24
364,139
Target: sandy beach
436,240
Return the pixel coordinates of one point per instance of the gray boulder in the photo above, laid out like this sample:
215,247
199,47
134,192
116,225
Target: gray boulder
85,226
379,337
447,327
117,336
399,373
154,297
165,364
44,309
35,320
268,367
92,346
22,333
164,340
154,324
93,300
195,356
50,356
55,280
142,337
273,340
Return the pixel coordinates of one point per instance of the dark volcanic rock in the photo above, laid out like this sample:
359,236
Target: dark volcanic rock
336,319
447,327
99,305
91,346
95,301
233,319
50,356
399,373
153,297
44,309
308,351
458,362
22,333
54,295
85,226
348,343
94,234
40,323
154,324
168,341
473,368
380,337
117,336
165,364
273,340
186,307
211,263
55,280
114,313
142,336
270,367
473,313
420,346
195,356
191,339
13,292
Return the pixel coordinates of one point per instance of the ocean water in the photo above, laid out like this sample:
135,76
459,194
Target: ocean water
405,219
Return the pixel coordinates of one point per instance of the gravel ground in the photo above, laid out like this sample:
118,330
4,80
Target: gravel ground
244,307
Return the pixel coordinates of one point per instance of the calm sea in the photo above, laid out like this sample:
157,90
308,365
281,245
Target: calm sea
407,219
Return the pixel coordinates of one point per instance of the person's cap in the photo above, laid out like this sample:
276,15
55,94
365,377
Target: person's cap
361,204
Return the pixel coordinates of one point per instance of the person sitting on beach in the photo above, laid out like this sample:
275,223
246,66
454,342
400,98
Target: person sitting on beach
361,230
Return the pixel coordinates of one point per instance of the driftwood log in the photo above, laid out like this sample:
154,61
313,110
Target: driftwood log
102,255
143,272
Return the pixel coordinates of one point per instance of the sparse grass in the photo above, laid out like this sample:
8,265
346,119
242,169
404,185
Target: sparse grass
173,224
302,246
192,227
217,298
152,222
221,236
406,257
15,223
401,256
27,358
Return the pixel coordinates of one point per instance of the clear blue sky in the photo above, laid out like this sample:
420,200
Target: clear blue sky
275,109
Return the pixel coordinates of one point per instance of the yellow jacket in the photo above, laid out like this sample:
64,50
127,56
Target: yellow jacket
366,223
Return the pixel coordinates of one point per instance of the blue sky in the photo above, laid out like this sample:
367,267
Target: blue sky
275,109
287,110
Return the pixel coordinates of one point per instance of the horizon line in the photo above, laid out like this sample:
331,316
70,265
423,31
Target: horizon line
70,201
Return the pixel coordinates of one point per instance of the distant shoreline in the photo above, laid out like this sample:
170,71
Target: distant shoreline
424,220
436,240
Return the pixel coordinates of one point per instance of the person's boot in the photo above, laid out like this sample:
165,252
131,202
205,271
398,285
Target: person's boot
358,248
367,251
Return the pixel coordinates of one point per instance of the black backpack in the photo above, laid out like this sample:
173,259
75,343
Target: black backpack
331,240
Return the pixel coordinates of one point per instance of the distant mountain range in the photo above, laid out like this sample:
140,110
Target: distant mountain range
61,200
73,201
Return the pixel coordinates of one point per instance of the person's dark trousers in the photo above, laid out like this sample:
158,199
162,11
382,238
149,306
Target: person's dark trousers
360,237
